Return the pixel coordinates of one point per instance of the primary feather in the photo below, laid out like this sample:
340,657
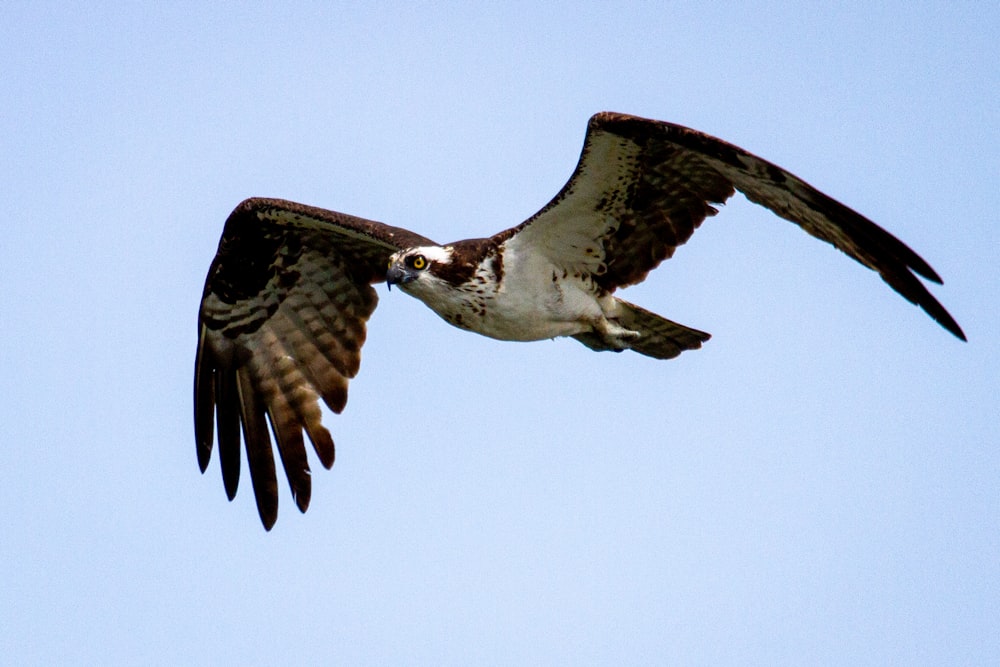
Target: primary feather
287,299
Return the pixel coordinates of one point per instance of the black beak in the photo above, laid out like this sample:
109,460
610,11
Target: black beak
396,275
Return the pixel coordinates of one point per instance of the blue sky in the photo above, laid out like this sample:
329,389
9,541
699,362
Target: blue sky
820,484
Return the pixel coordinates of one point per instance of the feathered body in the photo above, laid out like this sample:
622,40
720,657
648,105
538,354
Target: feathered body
508,296
287,298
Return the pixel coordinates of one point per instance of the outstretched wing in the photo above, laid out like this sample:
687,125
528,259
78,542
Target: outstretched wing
281,324
642,187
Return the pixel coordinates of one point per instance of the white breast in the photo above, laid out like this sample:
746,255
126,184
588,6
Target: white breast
533,301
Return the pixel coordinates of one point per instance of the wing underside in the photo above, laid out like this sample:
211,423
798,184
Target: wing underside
281,325
289,293
641,188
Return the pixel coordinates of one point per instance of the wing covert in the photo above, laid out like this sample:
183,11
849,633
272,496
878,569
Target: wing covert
281,325
642,187
628,205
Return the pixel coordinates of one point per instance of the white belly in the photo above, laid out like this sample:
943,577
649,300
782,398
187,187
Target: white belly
533,301
536,314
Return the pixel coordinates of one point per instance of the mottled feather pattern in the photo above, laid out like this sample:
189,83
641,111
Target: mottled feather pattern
288,295
631,201
283,319
655,182
671,194
793,199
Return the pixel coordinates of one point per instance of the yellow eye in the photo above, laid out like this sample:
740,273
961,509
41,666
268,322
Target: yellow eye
419,262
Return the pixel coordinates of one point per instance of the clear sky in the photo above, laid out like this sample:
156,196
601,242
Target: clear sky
820,484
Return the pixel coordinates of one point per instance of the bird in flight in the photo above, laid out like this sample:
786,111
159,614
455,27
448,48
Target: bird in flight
288,295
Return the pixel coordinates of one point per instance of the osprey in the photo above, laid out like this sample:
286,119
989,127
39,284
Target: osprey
284,311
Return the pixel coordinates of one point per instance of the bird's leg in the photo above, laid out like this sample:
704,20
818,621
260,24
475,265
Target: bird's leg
614,335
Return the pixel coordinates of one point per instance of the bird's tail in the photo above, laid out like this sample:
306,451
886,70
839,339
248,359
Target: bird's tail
658,337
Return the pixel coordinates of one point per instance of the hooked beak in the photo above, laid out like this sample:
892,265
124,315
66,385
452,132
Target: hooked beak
397,275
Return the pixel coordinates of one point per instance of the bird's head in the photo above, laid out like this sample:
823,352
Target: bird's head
414,269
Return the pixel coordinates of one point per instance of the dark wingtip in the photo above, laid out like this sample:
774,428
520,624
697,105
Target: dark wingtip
949,323
204,456
266,493
323,444
916,292
267,508
204,405
302,500
231,484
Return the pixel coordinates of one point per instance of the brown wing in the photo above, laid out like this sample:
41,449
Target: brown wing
642,187
281,325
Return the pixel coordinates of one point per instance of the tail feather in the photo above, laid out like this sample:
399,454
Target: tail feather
659,337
